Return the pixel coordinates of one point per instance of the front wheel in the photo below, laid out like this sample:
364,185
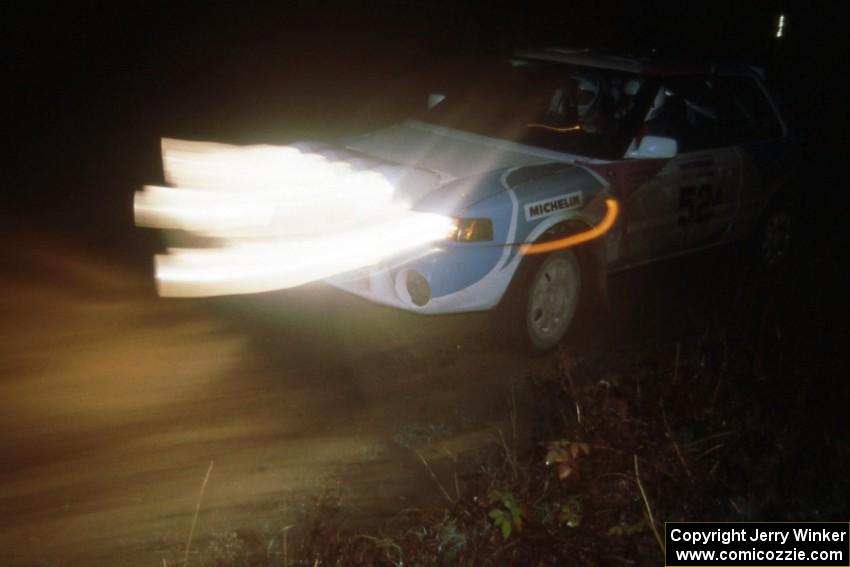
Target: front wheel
548,300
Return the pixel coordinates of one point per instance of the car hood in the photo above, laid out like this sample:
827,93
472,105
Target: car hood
450,154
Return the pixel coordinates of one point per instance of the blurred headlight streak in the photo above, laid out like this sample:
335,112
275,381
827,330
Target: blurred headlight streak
285,216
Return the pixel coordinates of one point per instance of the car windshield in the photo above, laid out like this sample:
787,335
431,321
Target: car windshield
580,110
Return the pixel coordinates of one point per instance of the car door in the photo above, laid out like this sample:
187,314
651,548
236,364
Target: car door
651,226
708,183
704,177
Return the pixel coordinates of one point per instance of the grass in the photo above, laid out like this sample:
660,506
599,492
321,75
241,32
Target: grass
710,428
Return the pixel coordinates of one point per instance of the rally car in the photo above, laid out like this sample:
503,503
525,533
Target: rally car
558,167
563,166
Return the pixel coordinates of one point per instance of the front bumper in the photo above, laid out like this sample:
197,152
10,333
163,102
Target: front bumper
458,279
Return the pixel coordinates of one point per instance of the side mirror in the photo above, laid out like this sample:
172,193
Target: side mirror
654,147
434,99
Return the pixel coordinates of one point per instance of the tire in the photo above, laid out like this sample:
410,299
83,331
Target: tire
546,300
774,238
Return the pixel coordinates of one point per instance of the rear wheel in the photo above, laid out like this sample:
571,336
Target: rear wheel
548,300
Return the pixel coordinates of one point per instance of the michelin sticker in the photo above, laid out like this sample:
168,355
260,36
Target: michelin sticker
546,207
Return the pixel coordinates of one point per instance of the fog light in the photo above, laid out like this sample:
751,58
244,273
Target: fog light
413,287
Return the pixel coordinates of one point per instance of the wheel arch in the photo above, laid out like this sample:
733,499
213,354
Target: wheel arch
593,277
592,257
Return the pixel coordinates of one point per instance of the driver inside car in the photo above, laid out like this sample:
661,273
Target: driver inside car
594,103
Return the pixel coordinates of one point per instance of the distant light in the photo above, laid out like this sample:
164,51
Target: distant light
780,26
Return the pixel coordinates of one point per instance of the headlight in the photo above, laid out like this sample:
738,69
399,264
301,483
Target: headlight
472,230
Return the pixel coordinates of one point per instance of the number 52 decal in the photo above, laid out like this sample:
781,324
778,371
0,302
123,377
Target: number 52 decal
695,202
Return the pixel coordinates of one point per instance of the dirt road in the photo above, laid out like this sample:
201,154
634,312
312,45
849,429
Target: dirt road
115,402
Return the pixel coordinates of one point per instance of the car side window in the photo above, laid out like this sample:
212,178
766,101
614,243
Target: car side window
590,112
686,109
748,113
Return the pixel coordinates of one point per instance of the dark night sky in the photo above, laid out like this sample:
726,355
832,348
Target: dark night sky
96,84
95,50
